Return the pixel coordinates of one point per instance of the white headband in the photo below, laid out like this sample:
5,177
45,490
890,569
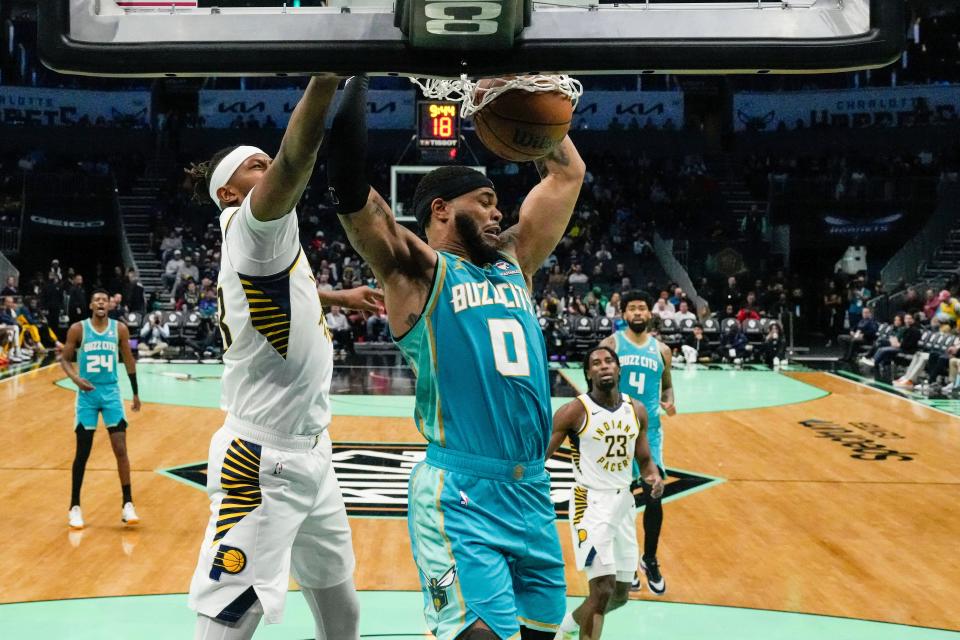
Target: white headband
223,172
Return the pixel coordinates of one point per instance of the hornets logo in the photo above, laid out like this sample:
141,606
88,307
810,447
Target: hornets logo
438,588
228,559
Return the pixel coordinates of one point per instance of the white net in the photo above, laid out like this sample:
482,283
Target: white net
464,90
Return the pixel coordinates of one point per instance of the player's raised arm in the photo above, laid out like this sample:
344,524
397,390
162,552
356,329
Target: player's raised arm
400,260
568,419
69,354
648,468
547,209
286,177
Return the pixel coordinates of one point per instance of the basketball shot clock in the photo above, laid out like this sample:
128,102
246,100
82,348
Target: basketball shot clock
438,124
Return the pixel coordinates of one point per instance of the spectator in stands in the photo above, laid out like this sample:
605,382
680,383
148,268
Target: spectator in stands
340,329
578,281
188,270
77,306
153,334
728,312
939,362
189,298
172,269
208,303
896,331
10,326
115,285
323,282
10,289
749,309
677,297
951,387
948,311
29,316
733,344
930,304
55,270
696,347
774,346
684,313
134,293
170,243
731,294
377,330
906,341
663,309
613,306
833,312
911,302
864,334
117,310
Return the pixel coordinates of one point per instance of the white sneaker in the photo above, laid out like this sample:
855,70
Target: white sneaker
75,517
129,515
867,362
776,363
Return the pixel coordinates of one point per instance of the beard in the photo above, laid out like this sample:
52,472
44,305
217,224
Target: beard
605,387
480,251
638,324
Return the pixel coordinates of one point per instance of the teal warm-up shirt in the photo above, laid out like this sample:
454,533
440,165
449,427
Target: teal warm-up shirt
481,363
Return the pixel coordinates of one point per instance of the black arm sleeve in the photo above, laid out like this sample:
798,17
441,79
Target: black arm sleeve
133,383
346,167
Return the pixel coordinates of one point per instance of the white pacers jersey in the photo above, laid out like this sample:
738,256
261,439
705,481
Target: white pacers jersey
278,353
603,448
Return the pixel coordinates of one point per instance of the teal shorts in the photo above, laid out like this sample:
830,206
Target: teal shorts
104,400
485,543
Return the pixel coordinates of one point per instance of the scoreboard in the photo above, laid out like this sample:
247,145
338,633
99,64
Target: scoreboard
438,124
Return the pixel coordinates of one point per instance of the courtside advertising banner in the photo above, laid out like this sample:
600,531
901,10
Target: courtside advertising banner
31,106
855,108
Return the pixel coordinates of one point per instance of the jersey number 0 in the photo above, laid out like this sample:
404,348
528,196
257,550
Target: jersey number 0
504,334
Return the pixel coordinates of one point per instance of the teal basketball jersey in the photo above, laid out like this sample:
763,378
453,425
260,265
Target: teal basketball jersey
481,363
641,368
97,356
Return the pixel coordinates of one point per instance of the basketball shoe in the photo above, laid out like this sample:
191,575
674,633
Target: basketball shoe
76,517
129,515
651,568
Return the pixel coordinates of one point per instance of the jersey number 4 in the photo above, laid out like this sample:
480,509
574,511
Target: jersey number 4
509,347
638,381
98,363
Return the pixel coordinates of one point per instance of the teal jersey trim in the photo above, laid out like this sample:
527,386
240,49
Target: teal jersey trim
641,371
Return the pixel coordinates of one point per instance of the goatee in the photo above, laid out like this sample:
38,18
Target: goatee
479,250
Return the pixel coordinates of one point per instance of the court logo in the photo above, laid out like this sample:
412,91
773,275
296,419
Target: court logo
861,446
438,588
228,560
374,478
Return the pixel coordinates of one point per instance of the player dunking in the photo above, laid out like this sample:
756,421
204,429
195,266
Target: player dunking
645,375
274,499
480,518
94,344
608,433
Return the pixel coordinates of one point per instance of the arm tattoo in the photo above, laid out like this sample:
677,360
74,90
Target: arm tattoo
556,156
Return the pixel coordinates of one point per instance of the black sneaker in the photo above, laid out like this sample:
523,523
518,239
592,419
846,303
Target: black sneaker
654,580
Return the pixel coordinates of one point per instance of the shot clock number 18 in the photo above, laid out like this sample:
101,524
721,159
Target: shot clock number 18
438,124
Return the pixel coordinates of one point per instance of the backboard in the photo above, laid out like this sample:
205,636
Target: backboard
447,38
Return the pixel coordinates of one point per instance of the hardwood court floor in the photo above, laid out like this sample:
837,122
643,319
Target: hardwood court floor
806,520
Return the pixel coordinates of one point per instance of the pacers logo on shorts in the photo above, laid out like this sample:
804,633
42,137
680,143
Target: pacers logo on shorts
438,588
228,559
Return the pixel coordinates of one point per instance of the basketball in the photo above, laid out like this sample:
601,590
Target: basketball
522,125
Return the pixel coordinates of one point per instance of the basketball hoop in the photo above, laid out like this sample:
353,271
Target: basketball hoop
464,90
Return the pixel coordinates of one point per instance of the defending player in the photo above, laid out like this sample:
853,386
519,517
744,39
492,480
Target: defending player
480,517
645,376
94,343
274,498
607,432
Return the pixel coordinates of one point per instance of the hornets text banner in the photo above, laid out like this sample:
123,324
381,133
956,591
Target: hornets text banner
890,107
46,107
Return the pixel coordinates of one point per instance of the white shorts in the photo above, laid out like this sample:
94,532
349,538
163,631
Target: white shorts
603,525
269,507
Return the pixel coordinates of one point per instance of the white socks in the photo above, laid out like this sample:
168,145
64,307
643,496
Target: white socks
569,624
